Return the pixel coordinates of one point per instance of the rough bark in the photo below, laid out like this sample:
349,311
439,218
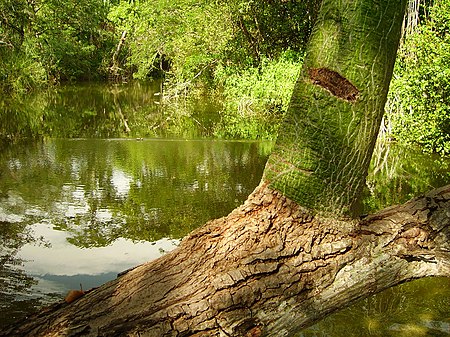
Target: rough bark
269,268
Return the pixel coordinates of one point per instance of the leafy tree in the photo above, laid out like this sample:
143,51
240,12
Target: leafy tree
14,23
20,67
188,34
72,38
194,36
48,40
268,28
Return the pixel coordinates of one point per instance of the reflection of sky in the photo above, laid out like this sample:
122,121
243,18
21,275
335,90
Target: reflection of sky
75,169
121,182
64,258
62,190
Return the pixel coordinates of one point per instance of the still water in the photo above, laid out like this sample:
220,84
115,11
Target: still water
80,210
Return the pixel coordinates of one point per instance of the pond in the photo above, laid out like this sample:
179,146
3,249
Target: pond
108,111
81,211
81,206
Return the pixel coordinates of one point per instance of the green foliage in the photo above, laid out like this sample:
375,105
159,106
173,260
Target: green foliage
20,68
72,38
269,28
52,40
246,51
189,34
191,37
419,106
20,71
255,99
14,21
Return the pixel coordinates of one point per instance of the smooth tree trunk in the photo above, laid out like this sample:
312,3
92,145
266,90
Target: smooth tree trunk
292,253
325,145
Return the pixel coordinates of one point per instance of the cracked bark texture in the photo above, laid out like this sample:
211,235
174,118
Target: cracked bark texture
269,268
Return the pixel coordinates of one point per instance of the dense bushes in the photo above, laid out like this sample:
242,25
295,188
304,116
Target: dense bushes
256,98
419,101
53,41
20,71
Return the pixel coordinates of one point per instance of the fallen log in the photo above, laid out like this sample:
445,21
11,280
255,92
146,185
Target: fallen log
269,268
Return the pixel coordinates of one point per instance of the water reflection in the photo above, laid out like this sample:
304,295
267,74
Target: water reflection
65,259
418,308
105,111
400,173
80,211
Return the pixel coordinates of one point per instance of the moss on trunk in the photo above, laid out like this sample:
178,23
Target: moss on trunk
326,142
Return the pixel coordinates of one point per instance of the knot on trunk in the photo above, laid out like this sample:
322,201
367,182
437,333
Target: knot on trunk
414,238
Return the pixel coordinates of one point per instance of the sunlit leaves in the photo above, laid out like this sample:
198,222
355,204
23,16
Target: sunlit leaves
255,99
419,105
189,34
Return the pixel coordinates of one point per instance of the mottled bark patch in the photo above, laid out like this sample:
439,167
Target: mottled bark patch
335,83
255,332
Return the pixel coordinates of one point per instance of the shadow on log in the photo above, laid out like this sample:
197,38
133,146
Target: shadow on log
270,268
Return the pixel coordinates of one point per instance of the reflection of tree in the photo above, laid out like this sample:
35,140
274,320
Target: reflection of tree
393,312
170,186
174,188
95,110
15,285
98,110
399,173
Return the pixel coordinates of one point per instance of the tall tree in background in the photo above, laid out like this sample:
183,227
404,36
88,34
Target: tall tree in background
294,252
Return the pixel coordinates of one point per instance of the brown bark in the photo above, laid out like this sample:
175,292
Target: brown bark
269,268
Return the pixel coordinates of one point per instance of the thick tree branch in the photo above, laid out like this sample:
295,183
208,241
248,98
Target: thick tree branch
267,269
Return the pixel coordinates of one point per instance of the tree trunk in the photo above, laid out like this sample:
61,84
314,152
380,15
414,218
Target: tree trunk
269,268
115,67
325,145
